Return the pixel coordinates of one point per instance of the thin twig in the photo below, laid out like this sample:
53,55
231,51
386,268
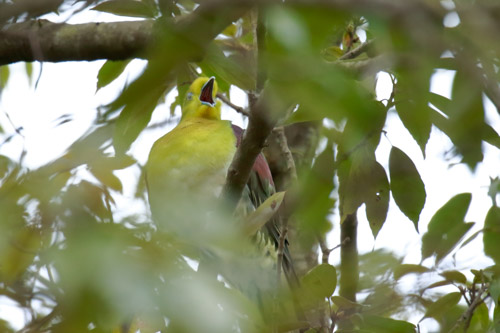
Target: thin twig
357,51
476,300
235,107
37,324
326,251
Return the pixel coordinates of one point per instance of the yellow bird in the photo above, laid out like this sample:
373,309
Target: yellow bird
187,169
185,173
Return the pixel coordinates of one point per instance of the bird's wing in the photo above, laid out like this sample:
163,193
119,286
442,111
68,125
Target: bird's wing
260,187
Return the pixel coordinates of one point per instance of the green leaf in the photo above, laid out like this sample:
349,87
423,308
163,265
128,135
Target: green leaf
230,31
320,281
233,69
441,306
495,289
465,125
131,8
480,319
378,324
109,71
344,303
467,116
107,177
132,120
438,284
454,276
5,164
471,238
184,77
28,67
407,187
120,162
134,117
303,114
332,53
377,197
411,106
482,276
496,318
364,181
316,185
404,269
18,257
491,234
4,75
439,101
263,213
447,227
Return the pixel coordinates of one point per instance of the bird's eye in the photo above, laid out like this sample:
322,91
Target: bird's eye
189,96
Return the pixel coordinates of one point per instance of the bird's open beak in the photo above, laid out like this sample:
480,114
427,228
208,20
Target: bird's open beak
206,95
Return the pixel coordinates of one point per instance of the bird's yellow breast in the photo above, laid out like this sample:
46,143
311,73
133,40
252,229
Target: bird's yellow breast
195,155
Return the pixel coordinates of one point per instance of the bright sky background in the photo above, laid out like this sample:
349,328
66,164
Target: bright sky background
69,89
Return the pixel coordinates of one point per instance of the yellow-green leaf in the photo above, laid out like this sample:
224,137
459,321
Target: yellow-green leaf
404,269
442,305
263,213
109,71
438,284
454,276
231,30
320,282
107,177
377,324
28,67
4,76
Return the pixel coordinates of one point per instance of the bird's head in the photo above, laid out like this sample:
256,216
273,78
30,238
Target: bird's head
201,101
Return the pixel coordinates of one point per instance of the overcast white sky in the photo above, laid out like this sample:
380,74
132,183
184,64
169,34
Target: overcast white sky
69,89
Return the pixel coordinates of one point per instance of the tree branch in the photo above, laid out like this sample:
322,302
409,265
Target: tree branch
43,40
261,123
475,301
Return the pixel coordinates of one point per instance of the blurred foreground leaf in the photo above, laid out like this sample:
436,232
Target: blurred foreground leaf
491,234
447,227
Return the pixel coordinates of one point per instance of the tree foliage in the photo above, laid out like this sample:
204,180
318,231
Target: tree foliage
76,264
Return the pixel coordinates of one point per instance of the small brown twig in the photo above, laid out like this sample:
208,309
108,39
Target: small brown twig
235,107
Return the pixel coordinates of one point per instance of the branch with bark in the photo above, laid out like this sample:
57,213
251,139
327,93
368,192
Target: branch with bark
42,40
